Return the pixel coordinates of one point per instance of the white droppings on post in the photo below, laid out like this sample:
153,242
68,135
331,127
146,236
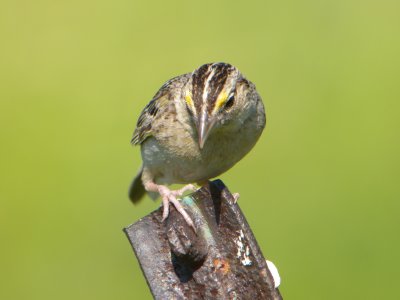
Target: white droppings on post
243,251
274,272
239,248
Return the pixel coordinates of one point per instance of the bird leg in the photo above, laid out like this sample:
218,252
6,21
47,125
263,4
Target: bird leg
168,196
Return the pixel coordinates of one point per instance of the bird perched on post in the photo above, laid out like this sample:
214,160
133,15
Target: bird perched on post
196,127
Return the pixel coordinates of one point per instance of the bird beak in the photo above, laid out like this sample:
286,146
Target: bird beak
204,127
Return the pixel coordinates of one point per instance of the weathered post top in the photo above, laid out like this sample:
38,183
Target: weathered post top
221,261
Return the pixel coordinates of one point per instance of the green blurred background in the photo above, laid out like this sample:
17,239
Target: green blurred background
320,190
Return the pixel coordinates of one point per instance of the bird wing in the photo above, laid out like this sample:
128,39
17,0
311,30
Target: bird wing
143,127
156,106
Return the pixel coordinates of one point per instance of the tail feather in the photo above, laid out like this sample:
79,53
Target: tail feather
136,190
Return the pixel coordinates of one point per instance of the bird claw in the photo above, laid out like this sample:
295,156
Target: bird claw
235,197
171,196
180,192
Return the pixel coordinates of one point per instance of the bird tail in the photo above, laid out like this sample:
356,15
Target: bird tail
136,190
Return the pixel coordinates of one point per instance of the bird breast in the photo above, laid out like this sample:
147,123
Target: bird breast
173,155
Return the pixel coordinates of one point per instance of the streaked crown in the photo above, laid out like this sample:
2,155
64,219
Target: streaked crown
210,87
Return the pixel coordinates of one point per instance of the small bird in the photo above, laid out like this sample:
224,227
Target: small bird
196,127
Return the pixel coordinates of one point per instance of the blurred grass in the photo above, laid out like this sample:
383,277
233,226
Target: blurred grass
320,189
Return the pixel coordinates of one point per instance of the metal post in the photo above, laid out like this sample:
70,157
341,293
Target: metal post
221,261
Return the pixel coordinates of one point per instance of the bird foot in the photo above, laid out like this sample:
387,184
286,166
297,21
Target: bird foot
168,196
235,197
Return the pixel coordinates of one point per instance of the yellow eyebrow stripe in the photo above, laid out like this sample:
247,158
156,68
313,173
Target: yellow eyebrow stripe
221,100
189,100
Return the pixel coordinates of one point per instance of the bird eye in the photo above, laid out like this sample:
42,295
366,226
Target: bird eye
229,102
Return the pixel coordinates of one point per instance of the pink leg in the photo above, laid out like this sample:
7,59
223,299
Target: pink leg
171,196
188,187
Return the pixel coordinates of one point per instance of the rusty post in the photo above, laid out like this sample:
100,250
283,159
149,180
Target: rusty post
221,261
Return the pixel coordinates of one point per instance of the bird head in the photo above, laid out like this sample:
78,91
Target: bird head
212,96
